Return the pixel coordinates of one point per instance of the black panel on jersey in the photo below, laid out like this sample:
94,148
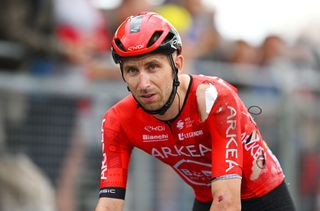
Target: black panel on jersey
201,206
278,199
113,192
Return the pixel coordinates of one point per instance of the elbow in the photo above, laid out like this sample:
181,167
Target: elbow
226,195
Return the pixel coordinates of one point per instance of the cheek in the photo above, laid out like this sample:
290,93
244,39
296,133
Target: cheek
131,83
167,88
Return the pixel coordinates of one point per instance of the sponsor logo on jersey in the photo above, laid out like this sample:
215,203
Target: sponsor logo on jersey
155,138
186,123
253,145
192,134
104,166
187,151
231,136
108,191
151,128
194,172
180,124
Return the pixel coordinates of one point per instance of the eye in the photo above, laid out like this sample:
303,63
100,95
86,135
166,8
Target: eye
152,66
131,70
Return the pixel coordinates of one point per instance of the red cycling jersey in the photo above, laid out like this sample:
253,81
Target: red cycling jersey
227,144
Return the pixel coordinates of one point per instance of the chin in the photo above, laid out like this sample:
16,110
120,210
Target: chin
151,107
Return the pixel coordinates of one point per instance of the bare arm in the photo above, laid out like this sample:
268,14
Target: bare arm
109,204
226,195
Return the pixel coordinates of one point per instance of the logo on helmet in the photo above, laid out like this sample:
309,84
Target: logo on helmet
133,48
174,44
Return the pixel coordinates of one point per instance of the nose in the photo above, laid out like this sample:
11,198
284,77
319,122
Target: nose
144,81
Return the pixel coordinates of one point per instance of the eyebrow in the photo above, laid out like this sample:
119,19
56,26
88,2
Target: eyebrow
146,63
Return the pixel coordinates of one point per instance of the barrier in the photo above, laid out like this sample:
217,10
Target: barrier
55,120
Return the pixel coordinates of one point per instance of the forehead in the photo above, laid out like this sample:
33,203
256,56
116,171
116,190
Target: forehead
140,60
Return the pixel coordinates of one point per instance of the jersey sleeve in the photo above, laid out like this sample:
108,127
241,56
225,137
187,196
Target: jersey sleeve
116,152
225,130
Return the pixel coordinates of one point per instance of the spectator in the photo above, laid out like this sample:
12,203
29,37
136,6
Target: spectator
32,25
29,26
203,40
275,50
125,9
84,28
243,54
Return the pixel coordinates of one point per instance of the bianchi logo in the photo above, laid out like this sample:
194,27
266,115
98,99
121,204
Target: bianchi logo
192,134
180,124
155,138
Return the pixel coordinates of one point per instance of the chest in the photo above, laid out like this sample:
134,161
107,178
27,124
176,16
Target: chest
182,139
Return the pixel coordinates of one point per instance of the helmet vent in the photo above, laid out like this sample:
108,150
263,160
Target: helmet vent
169,37
154,38
119,44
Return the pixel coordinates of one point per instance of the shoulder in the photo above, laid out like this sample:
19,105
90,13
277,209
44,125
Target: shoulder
209,90
218,82
124,108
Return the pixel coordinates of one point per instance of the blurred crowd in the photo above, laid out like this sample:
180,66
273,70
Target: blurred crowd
72,38
54,36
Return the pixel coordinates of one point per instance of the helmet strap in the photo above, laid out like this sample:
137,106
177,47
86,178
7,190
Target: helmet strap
121,69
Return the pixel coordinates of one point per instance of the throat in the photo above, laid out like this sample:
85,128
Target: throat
173,112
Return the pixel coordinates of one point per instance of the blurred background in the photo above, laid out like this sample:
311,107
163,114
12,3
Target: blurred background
57,79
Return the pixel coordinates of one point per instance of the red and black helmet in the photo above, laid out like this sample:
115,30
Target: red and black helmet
147,32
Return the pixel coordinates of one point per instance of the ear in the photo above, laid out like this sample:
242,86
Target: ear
179,62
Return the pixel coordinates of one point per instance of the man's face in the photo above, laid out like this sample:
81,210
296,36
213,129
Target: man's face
149,79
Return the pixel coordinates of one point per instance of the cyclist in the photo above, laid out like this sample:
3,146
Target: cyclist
196,124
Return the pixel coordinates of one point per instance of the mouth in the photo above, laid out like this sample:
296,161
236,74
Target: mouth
147,98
